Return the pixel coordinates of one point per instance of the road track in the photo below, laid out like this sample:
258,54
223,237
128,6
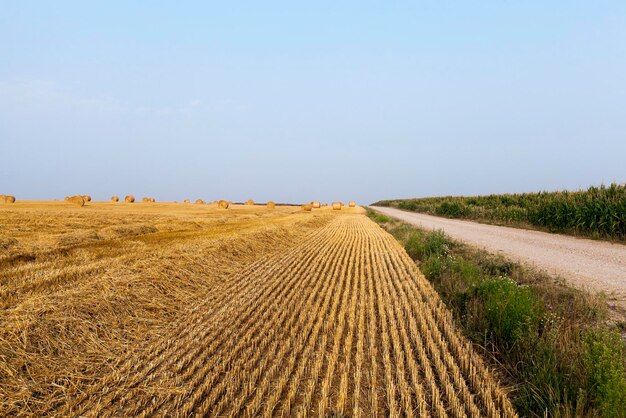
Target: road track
599,266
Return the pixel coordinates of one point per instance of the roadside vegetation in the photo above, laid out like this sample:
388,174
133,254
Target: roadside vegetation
552,343
598,212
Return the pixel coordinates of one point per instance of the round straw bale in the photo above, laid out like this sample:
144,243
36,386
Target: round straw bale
249,202
271,204
352,203
307,207
316,205
129,199
324,205
7,198
76,200
222,204
86,198
337,205
199,202
115,198
186,201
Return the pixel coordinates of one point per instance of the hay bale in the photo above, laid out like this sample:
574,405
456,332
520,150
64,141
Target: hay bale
7,199
337,205
249,202
115,199
86,198
129,199
76,200
199,202
222,204
352,204
307,207
316,205
186,201
324,205
271,205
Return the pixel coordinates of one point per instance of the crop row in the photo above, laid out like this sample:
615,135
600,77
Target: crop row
597,211
343,322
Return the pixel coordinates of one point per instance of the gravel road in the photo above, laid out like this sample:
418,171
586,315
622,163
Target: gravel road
588,264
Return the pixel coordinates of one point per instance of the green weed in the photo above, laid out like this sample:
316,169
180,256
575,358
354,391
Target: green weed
549,340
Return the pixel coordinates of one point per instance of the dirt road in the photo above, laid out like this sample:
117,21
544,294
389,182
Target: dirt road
593,265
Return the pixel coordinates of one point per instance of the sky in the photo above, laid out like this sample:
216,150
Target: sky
299,101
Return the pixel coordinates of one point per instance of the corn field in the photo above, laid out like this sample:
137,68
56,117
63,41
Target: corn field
341,323
597,211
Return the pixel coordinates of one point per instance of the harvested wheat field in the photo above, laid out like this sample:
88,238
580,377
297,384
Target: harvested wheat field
174,310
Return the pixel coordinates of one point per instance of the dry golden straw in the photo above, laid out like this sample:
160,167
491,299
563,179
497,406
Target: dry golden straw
352,204
7,198
115,199
350,327
199,202
223,204
271,204
316,205
87,198
187,201
269,313
337,205
307,207
129,199
76,200
249,202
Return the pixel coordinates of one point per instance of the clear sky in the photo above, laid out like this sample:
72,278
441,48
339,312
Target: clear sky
299,101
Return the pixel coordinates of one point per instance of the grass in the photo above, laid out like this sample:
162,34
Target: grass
598,212
551,342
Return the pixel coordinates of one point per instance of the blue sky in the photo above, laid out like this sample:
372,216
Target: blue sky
299,102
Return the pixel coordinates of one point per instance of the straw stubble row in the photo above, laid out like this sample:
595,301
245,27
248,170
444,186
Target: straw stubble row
343,322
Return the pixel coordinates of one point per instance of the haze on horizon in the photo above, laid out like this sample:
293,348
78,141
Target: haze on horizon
326,100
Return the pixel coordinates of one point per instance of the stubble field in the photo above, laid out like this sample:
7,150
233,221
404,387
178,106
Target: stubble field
188,310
